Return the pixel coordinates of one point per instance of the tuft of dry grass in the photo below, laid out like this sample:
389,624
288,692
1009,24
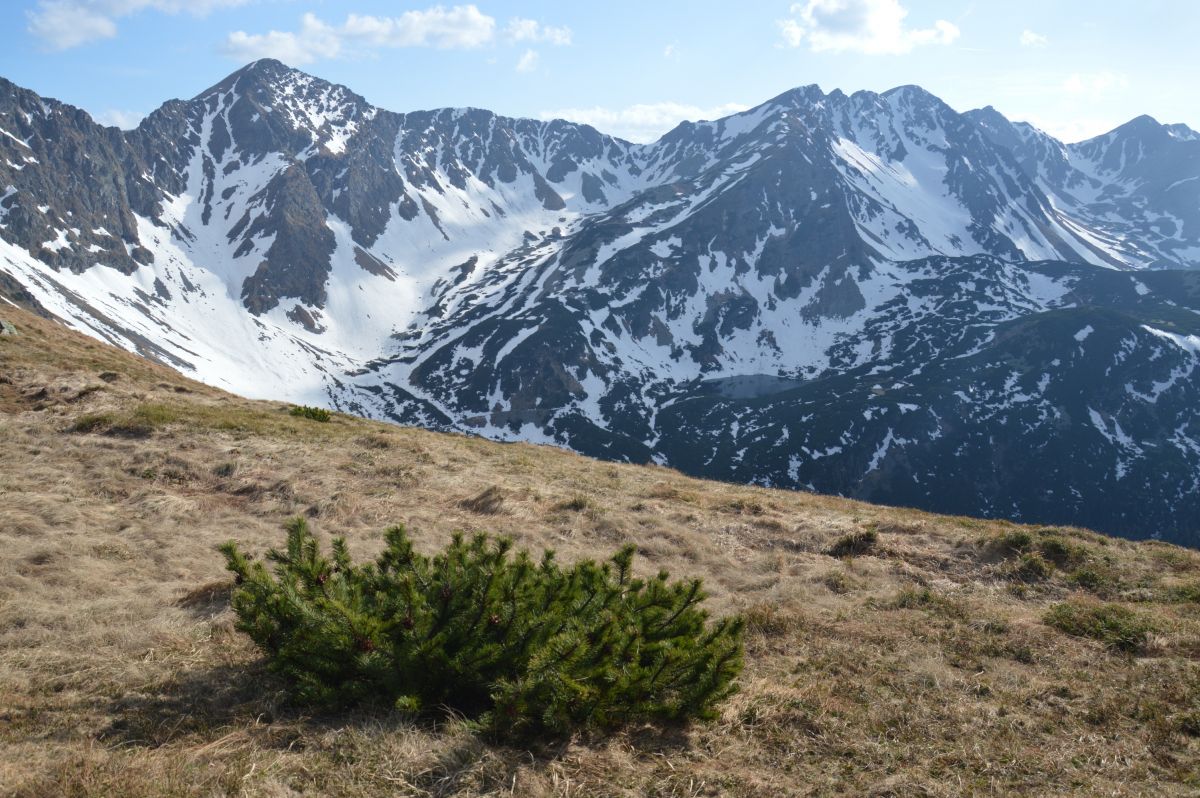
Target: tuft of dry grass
917,666
489,502
854,544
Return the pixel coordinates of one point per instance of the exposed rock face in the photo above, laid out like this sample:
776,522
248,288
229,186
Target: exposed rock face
865,294
69,186
297,262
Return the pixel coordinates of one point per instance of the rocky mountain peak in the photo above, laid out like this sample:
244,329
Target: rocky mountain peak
1182,132
1142,125
805,96
912,94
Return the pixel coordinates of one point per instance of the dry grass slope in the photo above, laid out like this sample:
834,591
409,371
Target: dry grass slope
891,652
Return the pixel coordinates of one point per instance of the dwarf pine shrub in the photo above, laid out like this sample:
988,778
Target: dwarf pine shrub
523,647
311,413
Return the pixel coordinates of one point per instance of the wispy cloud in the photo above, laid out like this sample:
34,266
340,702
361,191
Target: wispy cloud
1030,39
528,61
1074,128
312,42
63,24
462,27
643,122
1095,84
126,120
530,30
1071,106
871,27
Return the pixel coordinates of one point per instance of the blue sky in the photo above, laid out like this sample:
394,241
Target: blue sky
635,69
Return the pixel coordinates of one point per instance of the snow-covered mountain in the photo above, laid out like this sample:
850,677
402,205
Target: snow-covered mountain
866,294
1133,193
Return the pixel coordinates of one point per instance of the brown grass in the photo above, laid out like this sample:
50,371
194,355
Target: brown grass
489,502
918,666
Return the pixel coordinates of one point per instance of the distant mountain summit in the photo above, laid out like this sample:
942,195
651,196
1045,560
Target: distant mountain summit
866,294
1133,192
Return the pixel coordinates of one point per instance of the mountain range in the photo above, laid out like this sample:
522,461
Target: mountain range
872,295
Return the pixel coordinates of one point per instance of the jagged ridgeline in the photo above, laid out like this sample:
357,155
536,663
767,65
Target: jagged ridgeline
872,295
522,646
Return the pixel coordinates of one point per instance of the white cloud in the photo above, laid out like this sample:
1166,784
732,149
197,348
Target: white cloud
528,61
872,27
126,120
1031,39
1072,128
1095,84
530,30
457,28
315,40
63,24
671,50
644,122
792,32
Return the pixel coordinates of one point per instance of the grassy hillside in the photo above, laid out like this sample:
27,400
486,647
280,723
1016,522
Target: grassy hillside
890,652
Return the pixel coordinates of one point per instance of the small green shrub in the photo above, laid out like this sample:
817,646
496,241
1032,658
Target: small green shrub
994,626
1015,542
854,544
92,422
1118,627
311,413
154,415
1189,592
138,423
521,647
1095,579
1062,553
1020,652
839,582
1029,568
926,599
